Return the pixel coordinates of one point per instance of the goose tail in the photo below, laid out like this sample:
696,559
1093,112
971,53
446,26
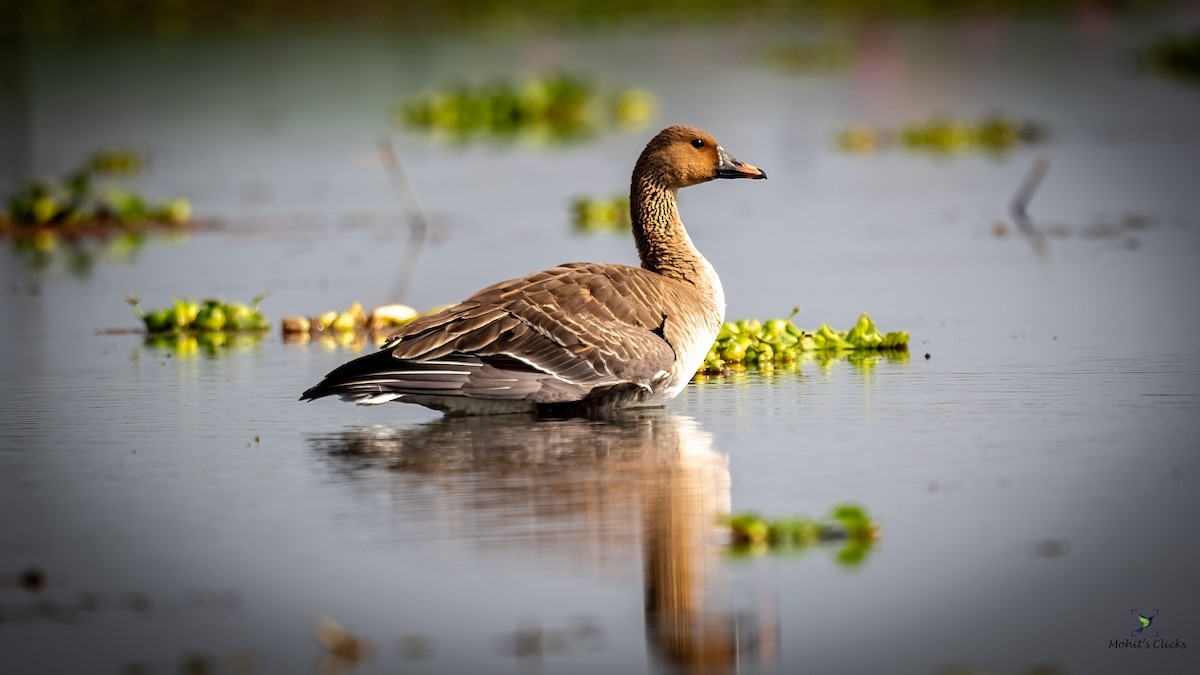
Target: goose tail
380,378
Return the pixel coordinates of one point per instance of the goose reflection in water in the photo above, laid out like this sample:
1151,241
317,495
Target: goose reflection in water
581,486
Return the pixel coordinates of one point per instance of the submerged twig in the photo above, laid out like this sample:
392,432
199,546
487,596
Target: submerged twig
1020,203
418,226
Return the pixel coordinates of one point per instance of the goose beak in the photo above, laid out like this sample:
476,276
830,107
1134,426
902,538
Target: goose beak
728,166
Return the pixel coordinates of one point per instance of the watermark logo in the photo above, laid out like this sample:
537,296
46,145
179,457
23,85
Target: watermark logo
1145,619
1145,634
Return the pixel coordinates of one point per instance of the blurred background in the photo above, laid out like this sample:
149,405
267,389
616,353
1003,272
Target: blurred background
1013,183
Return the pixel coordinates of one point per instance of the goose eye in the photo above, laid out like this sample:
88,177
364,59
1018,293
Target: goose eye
698,143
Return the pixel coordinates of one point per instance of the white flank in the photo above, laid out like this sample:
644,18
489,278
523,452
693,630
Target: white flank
377,399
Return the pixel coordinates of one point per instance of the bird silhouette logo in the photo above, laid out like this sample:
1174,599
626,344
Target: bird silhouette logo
1145,619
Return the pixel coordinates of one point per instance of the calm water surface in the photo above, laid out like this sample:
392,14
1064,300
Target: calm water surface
1036,476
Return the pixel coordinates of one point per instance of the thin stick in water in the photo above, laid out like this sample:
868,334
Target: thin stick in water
418,227
1025,193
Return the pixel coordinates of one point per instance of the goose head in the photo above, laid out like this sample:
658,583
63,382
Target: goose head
680,156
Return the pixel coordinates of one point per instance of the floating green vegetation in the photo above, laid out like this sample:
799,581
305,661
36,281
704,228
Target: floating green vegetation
44,248
996,134
185,345
601,214
743,375
87,215
779,342
751,534
554,108
1177,55
87,200
810,58
209,316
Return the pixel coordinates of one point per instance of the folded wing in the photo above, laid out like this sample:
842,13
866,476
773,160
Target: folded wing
558,336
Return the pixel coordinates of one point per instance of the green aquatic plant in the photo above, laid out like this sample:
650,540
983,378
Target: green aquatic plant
600,214
88,200
187,328
77,253
779,342
996,134
740,375
558,107
753,534
208,316
188,344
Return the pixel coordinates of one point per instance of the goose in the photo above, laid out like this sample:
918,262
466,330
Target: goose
580,337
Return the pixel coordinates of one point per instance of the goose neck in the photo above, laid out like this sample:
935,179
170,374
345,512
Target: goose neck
662,242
